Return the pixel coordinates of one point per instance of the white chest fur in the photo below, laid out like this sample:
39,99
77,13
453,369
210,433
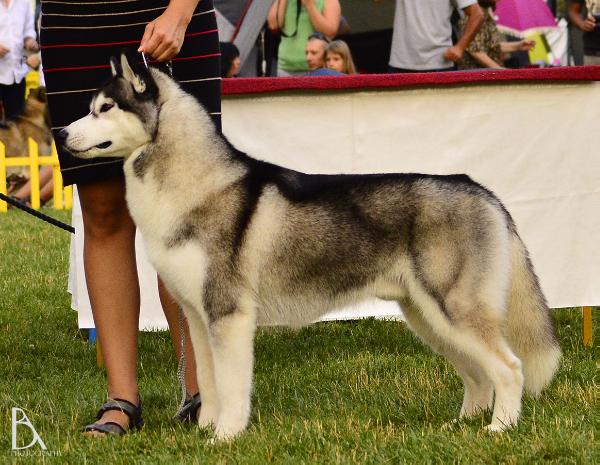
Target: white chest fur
183,267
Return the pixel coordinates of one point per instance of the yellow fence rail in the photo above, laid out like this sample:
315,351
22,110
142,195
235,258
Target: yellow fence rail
63,196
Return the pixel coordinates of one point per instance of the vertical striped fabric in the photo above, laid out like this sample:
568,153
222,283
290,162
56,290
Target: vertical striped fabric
78,37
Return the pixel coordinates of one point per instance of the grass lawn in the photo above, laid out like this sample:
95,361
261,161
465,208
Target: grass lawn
346,392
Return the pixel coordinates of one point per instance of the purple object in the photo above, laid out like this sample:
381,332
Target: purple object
524,17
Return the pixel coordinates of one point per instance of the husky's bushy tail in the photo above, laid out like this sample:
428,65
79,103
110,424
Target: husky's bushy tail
530,328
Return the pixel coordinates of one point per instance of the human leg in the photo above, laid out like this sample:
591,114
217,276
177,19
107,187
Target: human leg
46,184
172,313
46,187
13,99
112,281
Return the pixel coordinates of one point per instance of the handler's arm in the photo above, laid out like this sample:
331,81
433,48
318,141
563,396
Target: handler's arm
164,36
328,21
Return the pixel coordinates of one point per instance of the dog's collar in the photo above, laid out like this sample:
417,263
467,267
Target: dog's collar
168,65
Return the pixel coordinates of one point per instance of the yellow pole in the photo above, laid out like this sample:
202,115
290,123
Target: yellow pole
588,337
57,181
34,175
3,206
69,197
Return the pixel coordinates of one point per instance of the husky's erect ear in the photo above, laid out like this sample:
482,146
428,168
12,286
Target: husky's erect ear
115,67
130,74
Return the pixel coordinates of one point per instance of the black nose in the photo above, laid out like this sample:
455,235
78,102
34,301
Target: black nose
61,136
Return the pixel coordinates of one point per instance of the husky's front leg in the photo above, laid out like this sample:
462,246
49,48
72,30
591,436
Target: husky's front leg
232,343
209,410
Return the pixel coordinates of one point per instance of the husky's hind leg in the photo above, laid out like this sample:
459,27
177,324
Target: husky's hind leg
477,334
232,343
209,410
478,388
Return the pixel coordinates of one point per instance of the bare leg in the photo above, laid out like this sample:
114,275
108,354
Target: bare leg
47,189
112,281
171,309
24,193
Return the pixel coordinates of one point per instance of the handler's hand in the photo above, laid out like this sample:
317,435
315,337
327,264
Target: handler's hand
453,53
31,45
163,37
3,50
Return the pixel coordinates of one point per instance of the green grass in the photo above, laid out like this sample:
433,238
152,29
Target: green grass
348,392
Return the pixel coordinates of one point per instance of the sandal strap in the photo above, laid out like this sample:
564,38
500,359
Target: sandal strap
110,427
133,411
189,412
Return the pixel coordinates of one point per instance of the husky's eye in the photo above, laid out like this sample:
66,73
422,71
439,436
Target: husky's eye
106,107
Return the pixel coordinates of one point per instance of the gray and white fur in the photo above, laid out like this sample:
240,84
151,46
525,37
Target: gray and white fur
239,241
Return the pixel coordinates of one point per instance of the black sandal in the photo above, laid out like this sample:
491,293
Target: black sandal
132,411
189,411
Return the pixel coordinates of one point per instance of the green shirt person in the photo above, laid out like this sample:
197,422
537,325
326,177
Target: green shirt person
296,20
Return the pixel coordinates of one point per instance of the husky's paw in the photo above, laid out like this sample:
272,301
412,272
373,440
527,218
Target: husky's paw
496,427
208,416
226,431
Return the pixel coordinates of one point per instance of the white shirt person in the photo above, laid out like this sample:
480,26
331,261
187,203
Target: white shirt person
17,38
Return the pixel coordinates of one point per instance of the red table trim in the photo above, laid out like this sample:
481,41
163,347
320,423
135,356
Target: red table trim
237,86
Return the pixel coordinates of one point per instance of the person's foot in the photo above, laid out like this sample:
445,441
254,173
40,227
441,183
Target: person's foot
111,417
117,416
190,410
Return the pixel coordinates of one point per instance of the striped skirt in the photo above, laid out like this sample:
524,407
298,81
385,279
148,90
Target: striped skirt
78,37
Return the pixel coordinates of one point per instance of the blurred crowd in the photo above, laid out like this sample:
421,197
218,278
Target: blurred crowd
427,36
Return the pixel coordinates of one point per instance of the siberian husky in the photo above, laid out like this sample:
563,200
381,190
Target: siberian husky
239,241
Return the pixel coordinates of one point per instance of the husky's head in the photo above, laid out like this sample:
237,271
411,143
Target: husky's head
123,115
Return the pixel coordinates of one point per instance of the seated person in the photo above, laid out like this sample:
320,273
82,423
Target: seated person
486,50
230,59
315,55
339,58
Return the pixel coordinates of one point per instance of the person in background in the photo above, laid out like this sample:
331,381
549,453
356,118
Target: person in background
316,46
230,59
422,38
17,38
486,50
339,58
296,20
584,31
315,50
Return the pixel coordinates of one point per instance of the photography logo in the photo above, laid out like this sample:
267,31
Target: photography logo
19,418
